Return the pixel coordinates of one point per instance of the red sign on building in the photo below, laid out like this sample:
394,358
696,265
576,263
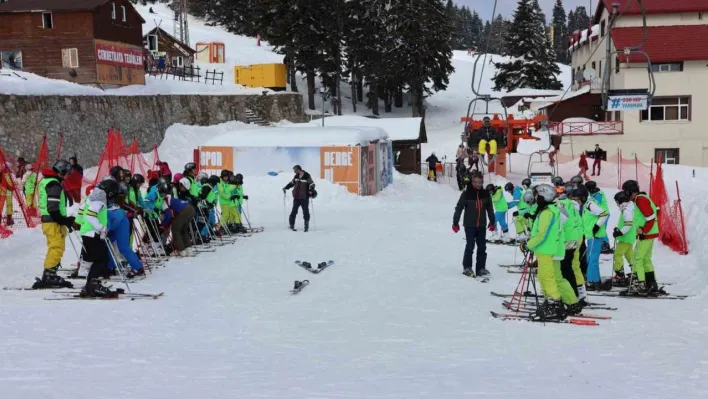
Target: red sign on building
119,55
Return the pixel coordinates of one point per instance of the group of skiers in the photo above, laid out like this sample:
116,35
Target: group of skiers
564,227
116,215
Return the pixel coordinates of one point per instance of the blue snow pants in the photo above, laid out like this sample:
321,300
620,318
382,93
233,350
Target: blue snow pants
594,247
500,217
119,232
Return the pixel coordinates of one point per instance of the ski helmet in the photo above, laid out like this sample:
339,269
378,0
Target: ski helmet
238,178
164,188
545,192
185,183
567,188
630,187
189,167
557,181
127,176
591,186
528,198
580,193
202,175
313,193
526,183
115,172
213,180
123,188
509,187
621,197
138,180
576,181
110,187
62,167
490,187
225,173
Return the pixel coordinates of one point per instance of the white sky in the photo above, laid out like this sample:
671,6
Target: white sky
506,7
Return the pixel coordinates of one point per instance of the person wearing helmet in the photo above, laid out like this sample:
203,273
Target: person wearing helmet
500,209
433,162
303,189
7,182
572,226
94,231
190,172
547,244
646,224
576,181
238,197
30,185
116,173
165,171
483,137
476,202
599,196
135,195
594,219
522,208
120,230
179,214
228,209
209,196
55,223
625,235
558,184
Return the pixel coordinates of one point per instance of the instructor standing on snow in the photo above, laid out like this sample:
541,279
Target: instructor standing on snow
477,204
303,189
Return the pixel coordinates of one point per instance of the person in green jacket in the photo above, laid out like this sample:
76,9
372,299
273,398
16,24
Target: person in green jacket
594,218
30,184
224,193
625,235
237,197
500,209
521,207
572,236
547,244
599,196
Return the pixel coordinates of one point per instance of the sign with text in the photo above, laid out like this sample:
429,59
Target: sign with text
627,103
340,164
213,159
119,55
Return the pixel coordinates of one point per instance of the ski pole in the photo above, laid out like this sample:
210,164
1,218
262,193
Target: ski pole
285,217
115,262
245,214
78,257
314,221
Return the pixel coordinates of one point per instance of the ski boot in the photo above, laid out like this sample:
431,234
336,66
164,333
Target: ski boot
637,288
551,310
50,279
574,309
298,285
135,273
322,265
582,296
240,229
307,226
620,279
483,273
505,239
94,289
468,273
652,286
292,227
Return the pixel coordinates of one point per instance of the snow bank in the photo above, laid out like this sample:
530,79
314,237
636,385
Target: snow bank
297,135
395,128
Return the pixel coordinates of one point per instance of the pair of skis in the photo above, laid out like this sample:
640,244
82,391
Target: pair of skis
532,318
73,294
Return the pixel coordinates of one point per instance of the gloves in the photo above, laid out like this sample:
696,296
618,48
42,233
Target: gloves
69,221
617,233
245,197
491,226
233,197
523,247
455,228
595,230
528,215
103,233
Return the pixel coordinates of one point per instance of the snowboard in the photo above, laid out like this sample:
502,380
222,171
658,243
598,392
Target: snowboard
314,270
299,286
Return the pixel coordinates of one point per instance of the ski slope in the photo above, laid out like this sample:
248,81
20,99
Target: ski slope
393,318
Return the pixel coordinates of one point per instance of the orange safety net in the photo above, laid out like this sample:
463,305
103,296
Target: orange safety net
672,227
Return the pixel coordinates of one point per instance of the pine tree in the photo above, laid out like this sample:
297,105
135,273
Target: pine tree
572,22
532,63
496,40
560,33
582,19
476,30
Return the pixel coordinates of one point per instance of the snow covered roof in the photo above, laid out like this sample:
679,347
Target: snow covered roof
395,128
297,135
533,93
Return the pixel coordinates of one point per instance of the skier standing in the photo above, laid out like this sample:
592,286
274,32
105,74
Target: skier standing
500,209
477,205
547,243
432,161
522,208
55,223
94,231
30,184
599,197
593,217
597,155
647,225
228,209
238,197
572,236
178,216
625,235
303,188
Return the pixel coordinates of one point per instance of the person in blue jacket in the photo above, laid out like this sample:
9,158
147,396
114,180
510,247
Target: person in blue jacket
119,233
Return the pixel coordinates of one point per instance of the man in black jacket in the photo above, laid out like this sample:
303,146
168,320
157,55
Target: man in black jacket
303,189
477,204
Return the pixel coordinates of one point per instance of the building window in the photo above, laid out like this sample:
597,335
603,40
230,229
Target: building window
669,156
613,116
668,109
602,28
178,61
152,43
617,65
125,17
47,20
69,58
113,11
11,59
700,15
668,67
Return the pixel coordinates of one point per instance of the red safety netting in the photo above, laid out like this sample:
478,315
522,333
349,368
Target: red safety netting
672,227
12,198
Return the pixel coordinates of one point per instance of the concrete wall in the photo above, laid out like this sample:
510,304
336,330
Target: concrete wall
84,120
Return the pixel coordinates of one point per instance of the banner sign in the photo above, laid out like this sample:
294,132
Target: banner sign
340,164
213,159
627,103
119,55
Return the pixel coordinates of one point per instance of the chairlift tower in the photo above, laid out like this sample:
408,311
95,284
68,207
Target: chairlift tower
181,28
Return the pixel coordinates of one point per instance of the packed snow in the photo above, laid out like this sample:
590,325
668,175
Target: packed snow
395,128
297,135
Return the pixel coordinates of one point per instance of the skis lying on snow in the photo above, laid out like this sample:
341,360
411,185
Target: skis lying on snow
528,294
299,285
530,309
320,267
511,243
527,317
529,306
256,229
132,296
623,294
512,266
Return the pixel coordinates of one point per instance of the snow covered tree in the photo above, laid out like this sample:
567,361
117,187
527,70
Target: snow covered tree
560,33
582,20
531,61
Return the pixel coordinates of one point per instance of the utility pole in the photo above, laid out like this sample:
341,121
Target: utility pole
181,27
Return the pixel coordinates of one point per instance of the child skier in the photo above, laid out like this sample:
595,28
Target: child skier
521,207
179,214
30,183
500,209
238,198
228,209
573,235
547,242
647,225
599,197
625,236
593,218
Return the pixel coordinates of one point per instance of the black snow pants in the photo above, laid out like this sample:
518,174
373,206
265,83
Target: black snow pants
305,205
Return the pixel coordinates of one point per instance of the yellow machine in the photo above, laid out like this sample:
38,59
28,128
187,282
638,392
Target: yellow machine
271,76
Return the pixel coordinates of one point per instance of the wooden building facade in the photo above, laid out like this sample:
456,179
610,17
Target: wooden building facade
82,41
173,52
